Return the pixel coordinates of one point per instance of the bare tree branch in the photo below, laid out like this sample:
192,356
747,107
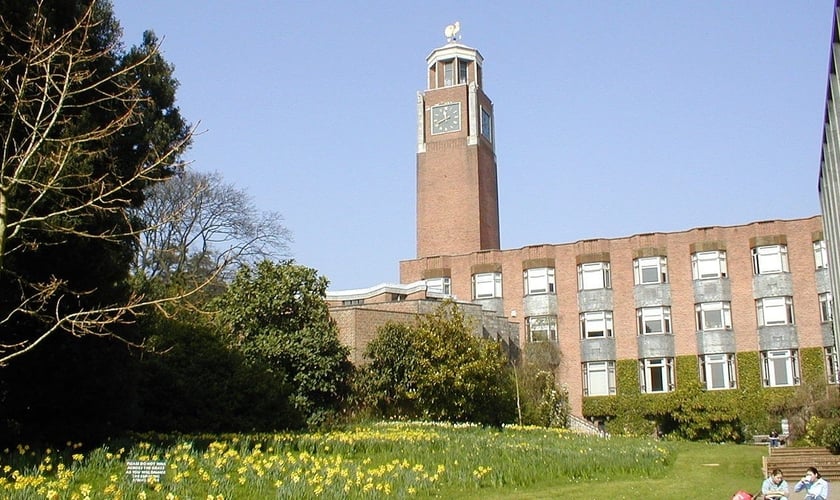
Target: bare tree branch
69,170
195,218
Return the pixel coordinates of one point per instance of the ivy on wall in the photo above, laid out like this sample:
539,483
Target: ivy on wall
692,412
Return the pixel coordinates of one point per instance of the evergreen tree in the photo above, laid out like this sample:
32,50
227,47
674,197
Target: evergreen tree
86,126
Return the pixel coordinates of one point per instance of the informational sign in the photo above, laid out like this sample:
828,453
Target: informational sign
142,470
785,427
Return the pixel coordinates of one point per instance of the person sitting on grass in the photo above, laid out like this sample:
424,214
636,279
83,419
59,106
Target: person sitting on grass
816,488
775,486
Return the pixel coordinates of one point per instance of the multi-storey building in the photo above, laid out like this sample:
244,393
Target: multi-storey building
829,184
706,294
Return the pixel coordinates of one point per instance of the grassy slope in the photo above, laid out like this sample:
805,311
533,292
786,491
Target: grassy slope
738,467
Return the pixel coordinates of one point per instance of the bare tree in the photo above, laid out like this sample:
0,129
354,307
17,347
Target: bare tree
85,128
196,221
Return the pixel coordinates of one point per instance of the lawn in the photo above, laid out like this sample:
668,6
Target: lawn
700,470
383,460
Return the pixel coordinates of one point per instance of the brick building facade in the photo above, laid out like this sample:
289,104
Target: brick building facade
707,292
710,292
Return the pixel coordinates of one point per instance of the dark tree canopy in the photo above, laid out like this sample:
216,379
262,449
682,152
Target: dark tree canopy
85,127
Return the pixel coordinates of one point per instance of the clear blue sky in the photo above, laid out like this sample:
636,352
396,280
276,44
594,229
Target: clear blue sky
612,118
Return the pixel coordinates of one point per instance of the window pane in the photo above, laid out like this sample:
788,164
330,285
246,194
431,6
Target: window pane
654,320
717,372
779,368
448,73
596,324
713,316
650,270
831,363
709,265
820,254
826,307
487,285
542,328
594,276
650,275
598,379
775,311
438,285
770,259
539,280
780,372
657,378
712,320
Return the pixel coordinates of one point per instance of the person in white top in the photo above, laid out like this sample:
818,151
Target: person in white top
775,486
816,488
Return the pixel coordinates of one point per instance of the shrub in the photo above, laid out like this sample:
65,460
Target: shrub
831,435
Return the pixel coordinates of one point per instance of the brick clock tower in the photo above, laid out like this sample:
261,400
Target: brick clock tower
457,188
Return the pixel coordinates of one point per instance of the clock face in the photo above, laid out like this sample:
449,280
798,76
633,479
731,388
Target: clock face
446,118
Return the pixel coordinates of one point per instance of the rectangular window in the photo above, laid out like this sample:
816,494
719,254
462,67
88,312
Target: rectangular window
713,316
654,320
599,378
439,285
596,324
780,368
487,285
539,280
774,311
770,259
448,73
648,270
542,328
718,371
462,70
826,307
594,276
656,375
820,254
708,265
353,302
486,124
831,365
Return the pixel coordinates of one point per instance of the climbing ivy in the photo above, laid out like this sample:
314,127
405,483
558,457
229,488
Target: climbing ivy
691,412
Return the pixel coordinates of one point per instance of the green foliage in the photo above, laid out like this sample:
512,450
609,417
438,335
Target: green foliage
691,412
437,370
68,177
193,382
831,435
542,402
388,380
278,316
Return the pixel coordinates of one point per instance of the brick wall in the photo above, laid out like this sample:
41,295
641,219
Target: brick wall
677,247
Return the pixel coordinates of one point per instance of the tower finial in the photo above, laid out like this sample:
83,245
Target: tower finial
451,31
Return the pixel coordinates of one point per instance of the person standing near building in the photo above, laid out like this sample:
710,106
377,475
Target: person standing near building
816,488
775,486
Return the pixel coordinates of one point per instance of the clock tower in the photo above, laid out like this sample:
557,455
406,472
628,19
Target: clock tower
457,188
